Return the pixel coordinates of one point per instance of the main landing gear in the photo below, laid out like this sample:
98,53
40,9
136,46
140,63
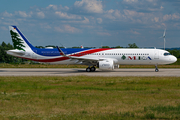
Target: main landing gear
90,69
156,69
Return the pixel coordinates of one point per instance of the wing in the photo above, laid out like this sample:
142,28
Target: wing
81,60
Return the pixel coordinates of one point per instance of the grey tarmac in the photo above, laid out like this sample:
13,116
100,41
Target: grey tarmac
80,71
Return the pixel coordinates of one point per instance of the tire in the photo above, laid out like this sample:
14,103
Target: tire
88,69
93,69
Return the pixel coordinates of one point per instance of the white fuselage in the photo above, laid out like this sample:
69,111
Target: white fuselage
119,56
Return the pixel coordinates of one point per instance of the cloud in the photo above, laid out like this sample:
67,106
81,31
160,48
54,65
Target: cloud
109,14
6,14
175,16
136,17
24,14
67,29
40,14
156,19
89,6
58,29
66,16
70,29
142,5
56,7
135,32
86,20
130,1
133,13
104,33
99,20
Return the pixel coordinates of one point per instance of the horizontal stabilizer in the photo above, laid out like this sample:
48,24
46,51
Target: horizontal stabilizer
17,52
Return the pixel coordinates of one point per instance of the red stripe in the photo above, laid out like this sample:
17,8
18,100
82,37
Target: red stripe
48,60
66,58
91,51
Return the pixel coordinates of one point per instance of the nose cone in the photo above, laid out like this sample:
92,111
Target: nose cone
173,59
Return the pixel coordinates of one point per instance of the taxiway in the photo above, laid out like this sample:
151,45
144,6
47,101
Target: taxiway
80,71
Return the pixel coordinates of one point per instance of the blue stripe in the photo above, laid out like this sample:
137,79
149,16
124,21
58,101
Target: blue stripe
55,52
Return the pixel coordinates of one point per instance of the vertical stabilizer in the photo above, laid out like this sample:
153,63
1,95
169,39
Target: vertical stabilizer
19,40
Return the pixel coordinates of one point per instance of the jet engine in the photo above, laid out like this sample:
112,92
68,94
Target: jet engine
107,65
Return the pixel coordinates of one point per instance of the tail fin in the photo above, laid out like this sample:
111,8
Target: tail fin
19,40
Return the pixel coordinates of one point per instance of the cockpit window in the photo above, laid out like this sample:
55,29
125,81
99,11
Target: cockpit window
166,54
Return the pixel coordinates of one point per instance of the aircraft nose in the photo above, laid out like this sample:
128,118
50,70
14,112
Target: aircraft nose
173,59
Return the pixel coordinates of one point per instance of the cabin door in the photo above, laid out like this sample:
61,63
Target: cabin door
156,54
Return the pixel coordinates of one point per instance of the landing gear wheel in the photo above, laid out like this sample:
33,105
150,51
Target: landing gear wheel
88,69
156,69
93,69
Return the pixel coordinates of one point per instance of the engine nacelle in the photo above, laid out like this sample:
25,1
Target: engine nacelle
106,65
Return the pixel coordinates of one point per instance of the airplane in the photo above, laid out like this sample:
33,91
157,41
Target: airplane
103,58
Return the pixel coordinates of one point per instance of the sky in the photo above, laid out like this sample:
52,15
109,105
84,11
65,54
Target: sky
93,23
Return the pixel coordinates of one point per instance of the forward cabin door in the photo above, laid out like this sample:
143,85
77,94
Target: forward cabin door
156,54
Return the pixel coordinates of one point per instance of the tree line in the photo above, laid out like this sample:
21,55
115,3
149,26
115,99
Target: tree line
5,58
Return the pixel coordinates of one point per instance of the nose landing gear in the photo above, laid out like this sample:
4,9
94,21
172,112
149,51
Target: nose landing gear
156,69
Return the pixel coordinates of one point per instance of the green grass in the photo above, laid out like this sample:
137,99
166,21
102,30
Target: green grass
87,98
